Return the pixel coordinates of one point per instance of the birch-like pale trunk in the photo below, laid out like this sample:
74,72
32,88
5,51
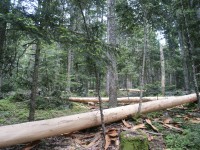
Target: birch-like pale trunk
143,62
162,61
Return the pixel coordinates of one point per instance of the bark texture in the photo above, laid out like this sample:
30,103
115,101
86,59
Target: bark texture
4,9
119,100
162,61
34,82
112,78
184,61
190,54
143,62
69,60
31,131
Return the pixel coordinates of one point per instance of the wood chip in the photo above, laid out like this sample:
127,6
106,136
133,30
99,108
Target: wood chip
149,122
108,141
126,124
139,126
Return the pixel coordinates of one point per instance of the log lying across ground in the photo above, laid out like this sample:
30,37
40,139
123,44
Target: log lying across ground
132,90
31,131
119,100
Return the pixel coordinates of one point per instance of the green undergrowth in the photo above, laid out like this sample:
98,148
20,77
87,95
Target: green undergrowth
12,112
188,140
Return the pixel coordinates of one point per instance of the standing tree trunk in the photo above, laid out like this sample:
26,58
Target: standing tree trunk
1,76
34,82
184,61
143,62
190,54
69,69
112,78
162,61
129,82
4,9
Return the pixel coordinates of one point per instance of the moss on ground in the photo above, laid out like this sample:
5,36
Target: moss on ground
133,140
17,112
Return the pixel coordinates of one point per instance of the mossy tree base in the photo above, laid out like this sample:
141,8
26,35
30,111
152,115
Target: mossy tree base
133,140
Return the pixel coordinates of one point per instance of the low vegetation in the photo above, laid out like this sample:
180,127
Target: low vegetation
14,111
185,118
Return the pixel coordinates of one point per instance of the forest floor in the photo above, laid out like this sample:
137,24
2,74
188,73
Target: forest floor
175,129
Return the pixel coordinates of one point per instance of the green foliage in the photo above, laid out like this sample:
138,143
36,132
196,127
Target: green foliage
153,89
12,112
19,97
17,112
189,139
7,88
52,102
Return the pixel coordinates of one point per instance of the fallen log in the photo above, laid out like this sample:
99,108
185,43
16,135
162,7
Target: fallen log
31,131
132,90
119,100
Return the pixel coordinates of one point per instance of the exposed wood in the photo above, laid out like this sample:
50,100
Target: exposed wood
31,131
119,100
132,90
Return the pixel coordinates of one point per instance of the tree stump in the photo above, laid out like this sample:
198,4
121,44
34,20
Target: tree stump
133,140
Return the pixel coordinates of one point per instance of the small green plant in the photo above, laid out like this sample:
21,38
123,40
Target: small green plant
188,140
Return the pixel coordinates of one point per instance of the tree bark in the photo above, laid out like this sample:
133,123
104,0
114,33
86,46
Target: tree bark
143,62
69,69
112,78
119,100
1,77
4,9
34,82
132,90
190,54
162,61
31,131
184,61
128,82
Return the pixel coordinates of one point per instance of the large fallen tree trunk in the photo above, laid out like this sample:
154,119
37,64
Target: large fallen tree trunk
132,90
30,131
119,100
